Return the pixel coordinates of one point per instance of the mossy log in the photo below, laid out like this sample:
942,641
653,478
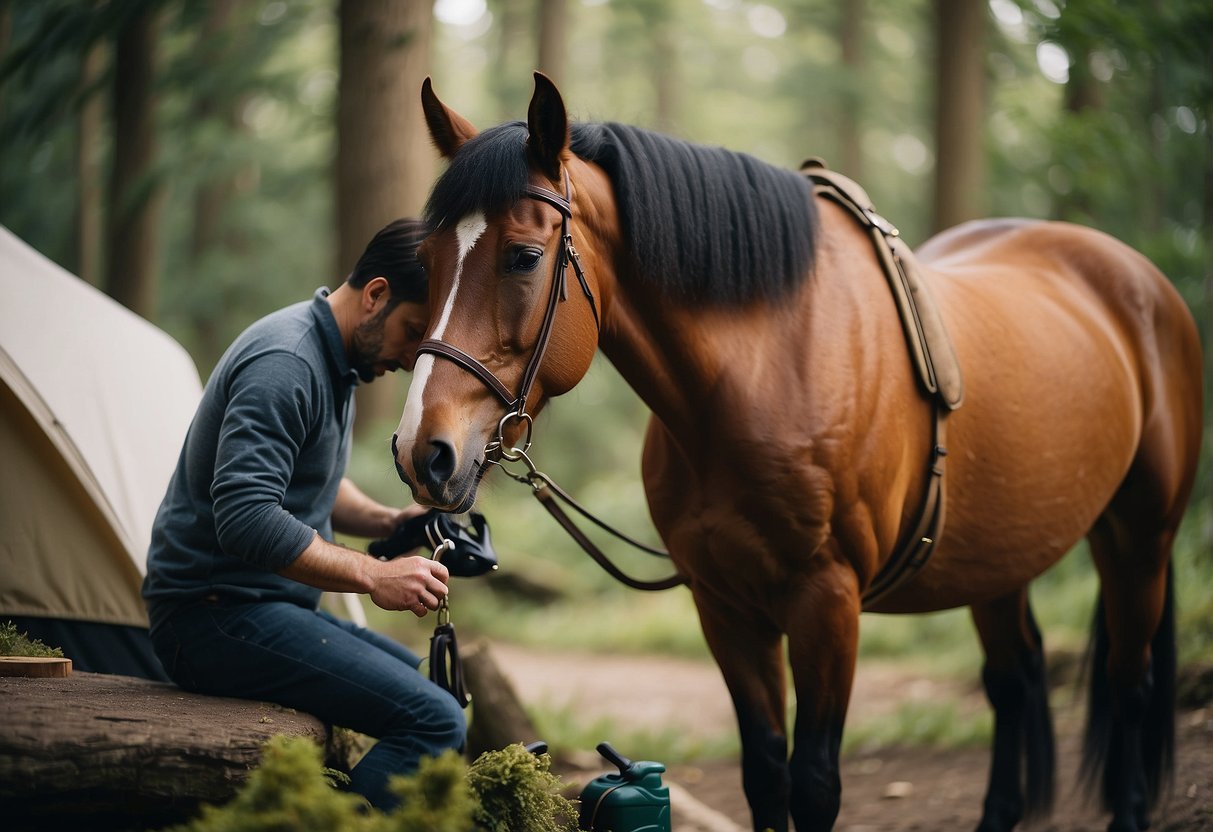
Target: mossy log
120,752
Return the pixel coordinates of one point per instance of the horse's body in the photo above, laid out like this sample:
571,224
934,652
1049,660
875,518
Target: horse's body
785,460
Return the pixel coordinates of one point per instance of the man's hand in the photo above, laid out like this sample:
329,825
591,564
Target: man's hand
417,584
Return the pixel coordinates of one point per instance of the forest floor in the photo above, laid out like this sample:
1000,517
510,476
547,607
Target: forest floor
884,789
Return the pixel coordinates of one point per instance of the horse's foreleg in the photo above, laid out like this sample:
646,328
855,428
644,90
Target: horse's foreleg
1014,679
823,638
750,655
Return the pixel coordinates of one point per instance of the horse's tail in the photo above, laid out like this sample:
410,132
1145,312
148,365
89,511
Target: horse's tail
1158,717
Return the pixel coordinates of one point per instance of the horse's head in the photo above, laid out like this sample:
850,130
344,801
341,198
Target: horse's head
514,317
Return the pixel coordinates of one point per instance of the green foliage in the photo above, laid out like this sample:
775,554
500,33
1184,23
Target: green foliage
502,791
286,792
13,643
437,798
516,791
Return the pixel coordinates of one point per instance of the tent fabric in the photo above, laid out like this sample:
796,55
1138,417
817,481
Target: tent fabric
96,403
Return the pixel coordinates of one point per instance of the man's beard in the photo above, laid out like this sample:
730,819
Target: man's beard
366,345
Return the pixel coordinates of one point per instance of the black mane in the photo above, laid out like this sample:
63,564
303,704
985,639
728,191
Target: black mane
704,224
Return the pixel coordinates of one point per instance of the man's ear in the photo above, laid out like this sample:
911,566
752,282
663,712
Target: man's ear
375,295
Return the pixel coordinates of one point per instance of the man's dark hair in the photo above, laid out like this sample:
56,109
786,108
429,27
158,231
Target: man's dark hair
392,254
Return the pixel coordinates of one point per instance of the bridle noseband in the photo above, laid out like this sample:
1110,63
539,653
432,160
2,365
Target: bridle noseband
516,404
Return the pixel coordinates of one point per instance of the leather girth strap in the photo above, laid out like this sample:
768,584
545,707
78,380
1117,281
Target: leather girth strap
933,358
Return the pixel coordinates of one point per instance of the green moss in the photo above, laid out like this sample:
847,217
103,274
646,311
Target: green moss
437,798
13,643
517,791
286,792
502,791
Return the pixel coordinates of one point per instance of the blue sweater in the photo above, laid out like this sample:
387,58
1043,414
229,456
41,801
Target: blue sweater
258,474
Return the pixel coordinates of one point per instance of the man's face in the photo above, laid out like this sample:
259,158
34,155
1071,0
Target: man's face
388,340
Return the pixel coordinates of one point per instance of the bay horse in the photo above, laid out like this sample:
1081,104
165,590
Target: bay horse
791,446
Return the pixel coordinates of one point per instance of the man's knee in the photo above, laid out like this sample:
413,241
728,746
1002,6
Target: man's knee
452,723
439,724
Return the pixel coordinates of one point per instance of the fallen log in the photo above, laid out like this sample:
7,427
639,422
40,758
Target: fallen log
124,753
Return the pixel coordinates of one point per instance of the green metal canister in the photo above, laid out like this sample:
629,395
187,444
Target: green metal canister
634,800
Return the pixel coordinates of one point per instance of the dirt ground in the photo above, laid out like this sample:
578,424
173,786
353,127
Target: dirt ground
883,791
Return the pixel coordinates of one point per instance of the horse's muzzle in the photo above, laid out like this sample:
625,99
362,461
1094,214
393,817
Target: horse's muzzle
437,479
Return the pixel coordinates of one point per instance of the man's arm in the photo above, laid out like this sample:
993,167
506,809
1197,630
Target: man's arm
355,513
413,583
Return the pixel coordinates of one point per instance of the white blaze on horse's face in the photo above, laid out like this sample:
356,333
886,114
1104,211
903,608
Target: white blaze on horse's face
467,232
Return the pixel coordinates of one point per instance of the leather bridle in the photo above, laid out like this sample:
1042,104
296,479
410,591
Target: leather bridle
515,404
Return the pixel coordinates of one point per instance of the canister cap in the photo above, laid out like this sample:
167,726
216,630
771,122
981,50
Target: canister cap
630,771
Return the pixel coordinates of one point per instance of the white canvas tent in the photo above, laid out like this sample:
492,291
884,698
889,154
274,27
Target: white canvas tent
96,402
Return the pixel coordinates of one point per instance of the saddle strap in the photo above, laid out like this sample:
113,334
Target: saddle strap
926,336
446,668
914,553
933,357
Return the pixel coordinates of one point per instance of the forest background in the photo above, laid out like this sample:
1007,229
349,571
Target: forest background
207,162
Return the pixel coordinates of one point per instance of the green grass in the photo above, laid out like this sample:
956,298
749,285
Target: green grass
566,730
920,724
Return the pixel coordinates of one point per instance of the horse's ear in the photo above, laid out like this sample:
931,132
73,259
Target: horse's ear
548,124
448,129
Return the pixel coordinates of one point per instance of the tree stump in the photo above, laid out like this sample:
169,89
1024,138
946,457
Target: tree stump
115,752
498,718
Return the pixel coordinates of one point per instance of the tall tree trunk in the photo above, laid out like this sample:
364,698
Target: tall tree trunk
553,39
1154,202
509,84
135,193
850,40
1083,92
1205,315
666,63
6,34
960,80
384,159
212,195
89,176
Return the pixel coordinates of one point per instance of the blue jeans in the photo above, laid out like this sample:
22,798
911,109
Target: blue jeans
308,660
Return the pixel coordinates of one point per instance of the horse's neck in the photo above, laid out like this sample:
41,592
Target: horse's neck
646,362
788,354
682,361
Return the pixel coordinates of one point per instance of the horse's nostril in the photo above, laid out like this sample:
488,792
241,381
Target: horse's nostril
440,464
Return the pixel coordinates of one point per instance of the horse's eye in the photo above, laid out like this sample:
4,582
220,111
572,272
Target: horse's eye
523,260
